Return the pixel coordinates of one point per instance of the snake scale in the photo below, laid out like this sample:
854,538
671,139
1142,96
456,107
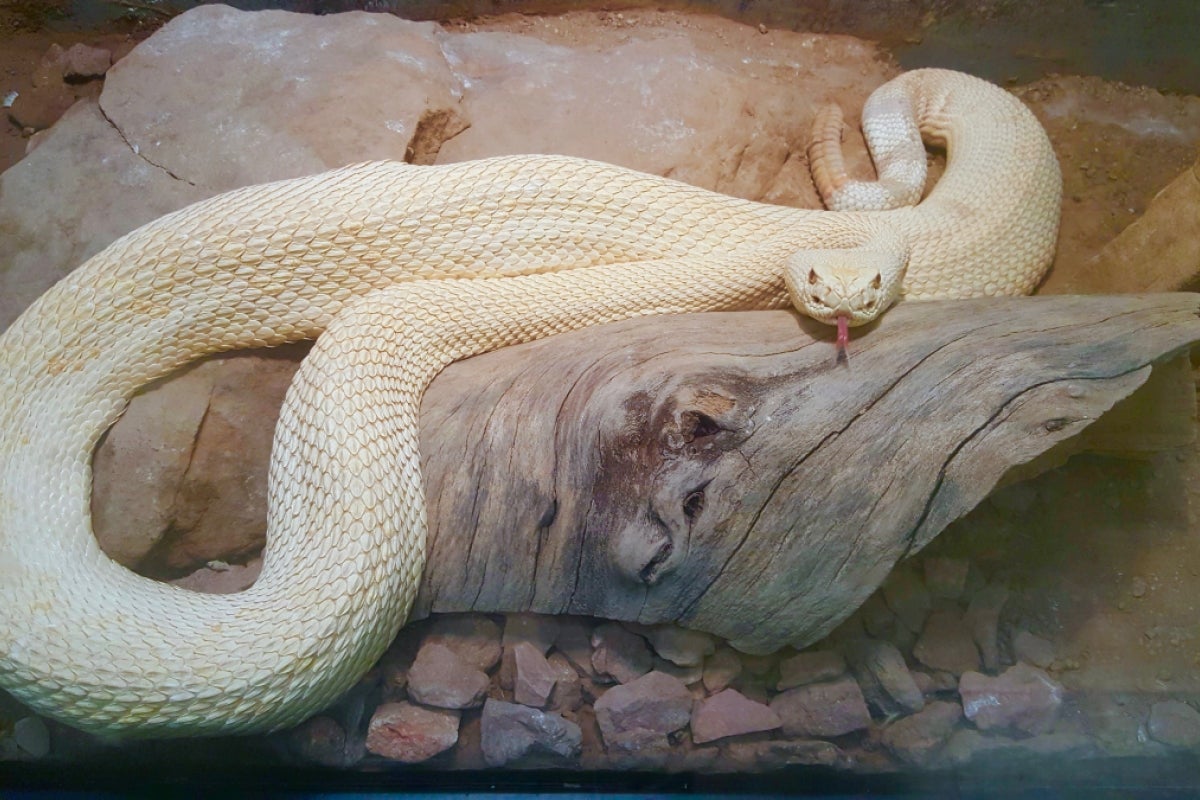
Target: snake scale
362,256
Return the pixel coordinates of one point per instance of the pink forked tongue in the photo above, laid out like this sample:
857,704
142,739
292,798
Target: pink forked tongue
843,335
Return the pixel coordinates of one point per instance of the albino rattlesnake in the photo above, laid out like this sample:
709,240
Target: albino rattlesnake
91,643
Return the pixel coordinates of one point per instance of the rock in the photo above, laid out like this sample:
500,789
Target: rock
907,597
833,708
721,669
878,619
758,665
535,678
946,643
946,577
1166,239
473,637
1033,649
1023,698
32,737
568,691
410,733
320,740
1175,723
539,630
439,677
638,749
983,618
916,739
687,675
730,714
40,107
883,676
220,578
574,640
810,667
750,756
680,646
655,703
966,746
620,654
82,62
510,731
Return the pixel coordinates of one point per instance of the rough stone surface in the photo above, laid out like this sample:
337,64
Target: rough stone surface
410,733
655,703
1164,242
968,746
439,677
568,689
884,677
916,739
510,731
680,646
721,669
811,667
620,654
473,637
320,740
983,618
946,643
730,713
833,708
539,630
1175,723
574,640
946,577
1022,698
535,678
82,62
750,756
1033,649
907,597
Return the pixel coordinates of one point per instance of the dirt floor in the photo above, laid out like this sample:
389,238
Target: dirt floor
1103,555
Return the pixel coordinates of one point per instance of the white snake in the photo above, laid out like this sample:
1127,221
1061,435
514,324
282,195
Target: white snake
91,643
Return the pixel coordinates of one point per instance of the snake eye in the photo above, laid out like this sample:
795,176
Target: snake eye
869,304
877,281
812,277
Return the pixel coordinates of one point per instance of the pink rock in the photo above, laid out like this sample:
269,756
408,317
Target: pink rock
619,653
574,640
822,709
883,675
535,678
409,733
721,669
813,667
655,702
568,687
1023,698
751,756
439,677
730,714
946,643
680,646
473,637
220,578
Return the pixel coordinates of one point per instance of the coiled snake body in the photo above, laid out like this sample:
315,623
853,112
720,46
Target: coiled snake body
346,255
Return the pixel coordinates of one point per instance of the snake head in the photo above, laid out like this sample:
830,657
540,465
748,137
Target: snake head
855,285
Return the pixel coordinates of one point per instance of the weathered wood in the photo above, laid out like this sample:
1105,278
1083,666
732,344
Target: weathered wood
723,472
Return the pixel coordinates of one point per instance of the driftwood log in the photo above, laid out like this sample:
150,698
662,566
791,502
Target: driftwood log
727,473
